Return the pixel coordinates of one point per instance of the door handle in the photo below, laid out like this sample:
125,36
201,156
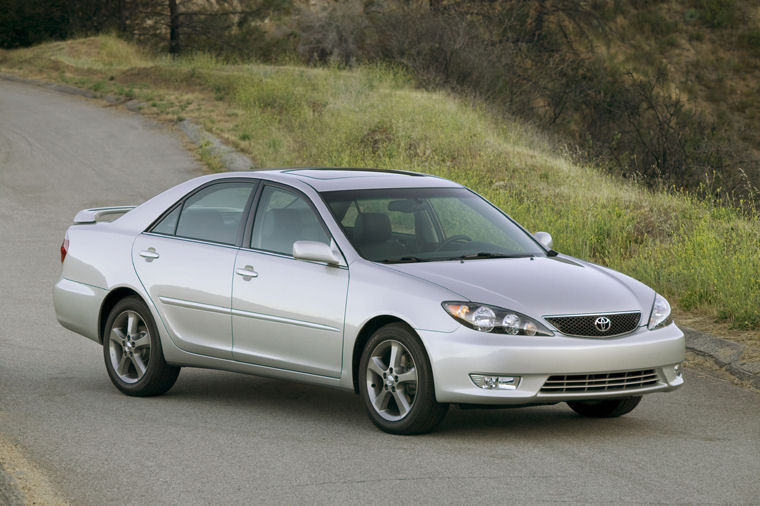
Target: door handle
149,254
247,273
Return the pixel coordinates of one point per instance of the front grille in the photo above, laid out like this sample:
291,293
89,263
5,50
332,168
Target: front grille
606,382
584,325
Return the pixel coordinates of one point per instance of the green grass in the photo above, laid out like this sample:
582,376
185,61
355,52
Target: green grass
704,258
210,158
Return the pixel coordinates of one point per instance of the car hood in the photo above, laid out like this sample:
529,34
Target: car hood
538,286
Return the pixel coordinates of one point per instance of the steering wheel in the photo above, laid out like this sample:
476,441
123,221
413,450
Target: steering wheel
453,239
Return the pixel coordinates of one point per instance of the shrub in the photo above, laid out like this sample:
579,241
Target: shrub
750,38
718,13
652,22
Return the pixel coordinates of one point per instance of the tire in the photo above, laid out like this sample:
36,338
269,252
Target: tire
605,409
132,351
396,382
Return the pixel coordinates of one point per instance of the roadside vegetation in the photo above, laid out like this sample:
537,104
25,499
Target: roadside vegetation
661,92
702,256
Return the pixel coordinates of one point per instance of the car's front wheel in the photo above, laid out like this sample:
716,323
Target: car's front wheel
132,351
605,409
396,382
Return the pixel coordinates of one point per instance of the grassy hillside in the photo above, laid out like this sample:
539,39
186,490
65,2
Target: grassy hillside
703,258
663,91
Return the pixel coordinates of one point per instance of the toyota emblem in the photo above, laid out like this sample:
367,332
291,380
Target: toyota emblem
602,324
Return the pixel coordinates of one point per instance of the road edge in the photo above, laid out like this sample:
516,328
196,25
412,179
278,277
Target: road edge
725,354
21,482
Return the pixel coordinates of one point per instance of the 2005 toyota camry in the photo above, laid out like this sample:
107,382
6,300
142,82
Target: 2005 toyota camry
410,289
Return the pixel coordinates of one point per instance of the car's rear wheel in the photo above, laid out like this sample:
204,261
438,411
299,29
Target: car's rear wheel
396,382
605,409
132,351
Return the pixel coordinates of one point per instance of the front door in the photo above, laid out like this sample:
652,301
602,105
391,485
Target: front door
287,313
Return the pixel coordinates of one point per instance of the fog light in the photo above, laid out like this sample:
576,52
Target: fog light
495,382
678,370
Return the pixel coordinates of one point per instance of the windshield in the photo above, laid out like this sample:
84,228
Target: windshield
426,224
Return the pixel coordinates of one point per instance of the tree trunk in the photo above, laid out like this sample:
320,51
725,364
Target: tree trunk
121,16
173,28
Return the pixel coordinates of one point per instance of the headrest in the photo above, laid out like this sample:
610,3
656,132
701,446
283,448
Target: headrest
372,227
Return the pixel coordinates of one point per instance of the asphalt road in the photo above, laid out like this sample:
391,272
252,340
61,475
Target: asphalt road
225,438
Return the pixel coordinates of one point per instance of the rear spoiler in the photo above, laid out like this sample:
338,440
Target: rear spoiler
95,214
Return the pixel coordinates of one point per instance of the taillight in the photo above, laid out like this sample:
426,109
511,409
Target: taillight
64,246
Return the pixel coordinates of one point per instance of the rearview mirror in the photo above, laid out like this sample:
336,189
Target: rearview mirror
315,251
545,238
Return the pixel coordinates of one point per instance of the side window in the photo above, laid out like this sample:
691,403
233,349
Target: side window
213,214
282,218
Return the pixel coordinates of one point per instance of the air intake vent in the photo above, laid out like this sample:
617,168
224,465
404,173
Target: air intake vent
606,382
598,325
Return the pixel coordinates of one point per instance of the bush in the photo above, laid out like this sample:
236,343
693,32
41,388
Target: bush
23,23
718,13
652,22
333,33
750,38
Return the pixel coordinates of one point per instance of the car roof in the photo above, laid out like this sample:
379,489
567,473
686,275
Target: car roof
319,179
333,179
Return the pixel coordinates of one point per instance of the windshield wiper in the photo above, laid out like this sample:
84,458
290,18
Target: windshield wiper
475,256
487,254
405,260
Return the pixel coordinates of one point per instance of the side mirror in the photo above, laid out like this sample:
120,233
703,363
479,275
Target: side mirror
545,238
315,251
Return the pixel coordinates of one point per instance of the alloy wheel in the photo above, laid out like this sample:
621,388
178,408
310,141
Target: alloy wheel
391,380
129,346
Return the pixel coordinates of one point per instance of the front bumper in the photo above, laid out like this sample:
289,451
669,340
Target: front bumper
456,355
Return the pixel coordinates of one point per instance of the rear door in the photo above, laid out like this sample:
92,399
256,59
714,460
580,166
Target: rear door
185,262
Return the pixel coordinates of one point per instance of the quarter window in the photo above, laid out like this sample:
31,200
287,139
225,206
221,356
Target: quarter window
168,225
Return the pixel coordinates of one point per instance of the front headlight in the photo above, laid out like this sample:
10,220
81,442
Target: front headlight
660,316
494,319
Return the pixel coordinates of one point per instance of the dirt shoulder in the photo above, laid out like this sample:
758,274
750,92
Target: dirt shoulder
731,354
21,482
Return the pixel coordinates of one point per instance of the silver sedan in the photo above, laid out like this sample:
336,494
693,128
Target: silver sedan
409,289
